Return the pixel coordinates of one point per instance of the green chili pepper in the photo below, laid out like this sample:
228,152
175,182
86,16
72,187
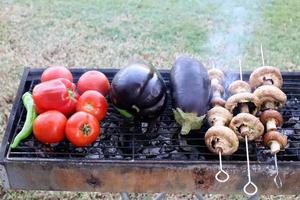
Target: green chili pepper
30,117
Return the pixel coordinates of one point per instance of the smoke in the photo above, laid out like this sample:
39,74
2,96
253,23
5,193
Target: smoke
232,28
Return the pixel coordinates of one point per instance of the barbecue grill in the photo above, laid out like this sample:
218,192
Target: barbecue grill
146,156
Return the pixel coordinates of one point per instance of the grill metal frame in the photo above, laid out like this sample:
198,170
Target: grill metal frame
138,175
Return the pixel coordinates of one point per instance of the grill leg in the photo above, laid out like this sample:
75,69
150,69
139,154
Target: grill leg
160,196
124,196
199,196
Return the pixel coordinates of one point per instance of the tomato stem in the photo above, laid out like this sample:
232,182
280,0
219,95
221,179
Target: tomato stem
71,94
86,129
88,106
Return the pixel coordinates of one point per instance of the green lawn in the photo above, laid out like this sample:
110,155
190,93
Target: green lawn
112,33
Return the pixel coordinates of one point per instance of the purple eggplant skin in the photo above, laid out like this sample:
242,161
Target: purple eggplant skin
138,90
190,87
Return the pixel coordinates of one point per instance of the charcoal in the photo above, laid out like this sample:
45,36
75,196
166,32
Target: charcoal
175,155
193,156
96,144
290,122
174,127
29,143
163,156
94,156
151,151
288,132
118,156
183,143
167,148
156,142
263,155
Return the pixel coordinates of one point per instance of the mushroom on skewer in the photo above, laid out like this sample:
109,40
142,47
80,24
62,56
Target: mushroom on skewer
271,97
271,119
268,81
275,140
239,86
244,105
216,76
245,124
266,75
218,116
220,138
245,102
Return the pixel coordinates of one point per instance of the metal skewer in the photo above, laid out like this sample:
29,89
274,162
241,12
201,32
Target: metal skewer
262,54
277,179
221,171
241,74
249,183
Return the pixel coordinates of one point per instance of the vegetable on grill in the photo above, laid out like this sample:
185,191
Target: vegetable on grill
55,72
58,94
30,116
49,127
190,92
82,129
139,91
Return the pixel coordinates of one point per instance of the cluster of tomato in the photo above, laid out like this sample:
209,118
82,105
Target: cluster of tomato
67,111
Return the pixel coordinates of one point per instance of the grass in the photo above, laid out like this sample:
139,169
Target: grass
113,33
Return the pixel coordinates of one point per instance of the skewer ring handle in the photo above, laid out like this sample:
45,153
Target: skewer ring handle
222,180
249,184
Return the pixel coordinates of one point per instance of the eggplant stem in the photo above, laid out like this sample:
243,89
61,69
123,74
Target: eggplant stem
188,121
186,128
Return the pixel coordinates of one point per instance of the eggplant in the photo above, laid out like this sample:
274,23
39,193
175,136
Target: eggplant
139,91
190,87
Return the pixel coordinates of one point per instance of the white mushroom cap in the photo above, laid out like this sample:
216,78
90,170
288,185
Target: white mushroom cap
266,75
270,96
246,124
221,138
239,87
219,115
236,100
216,74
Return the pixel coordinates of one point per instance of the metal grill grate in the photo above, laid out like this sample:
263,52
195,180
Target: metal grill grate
122,139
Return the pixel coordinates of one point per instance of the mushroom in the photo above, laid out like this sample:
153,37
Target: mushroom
218,101
265,75
245,124
239,86
216,87
271,119
215,75
275,140
219,116
270,96
221,139
243,103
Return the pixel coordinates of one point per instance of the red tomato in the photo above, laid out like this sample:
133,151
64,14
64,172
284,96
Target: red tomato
49,127
58,94
56,72
93,80
94,103
82,129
